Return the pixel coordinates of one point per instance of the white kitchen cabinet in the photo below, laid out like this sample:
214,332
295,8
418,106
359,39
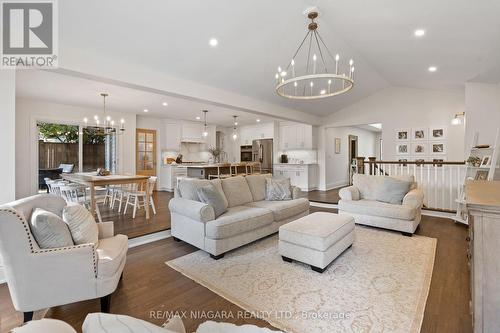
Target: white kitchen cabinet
304,176
191,132
173,133
255,132
246,135
169,174
296,136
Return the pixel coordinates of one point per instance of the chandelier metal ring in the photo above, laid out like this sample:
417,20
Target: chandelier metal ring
347,84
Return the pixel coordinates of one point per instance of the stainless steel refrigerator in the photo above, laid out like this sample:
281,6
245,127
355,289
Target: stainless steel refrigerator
262,151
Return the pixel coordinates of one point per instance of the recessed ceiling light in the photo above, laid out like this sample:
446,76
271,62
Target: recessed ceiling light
164,103
432,69
419,33
213,42
146,110
257,120
198,118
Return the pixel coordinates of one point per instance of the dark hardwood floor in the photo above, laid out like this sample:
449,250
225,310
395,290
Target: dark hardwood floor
125,224
151,286
330,196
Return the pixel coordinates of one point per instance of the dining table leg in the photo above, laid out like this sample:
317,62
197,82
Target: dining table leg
92,199
146,203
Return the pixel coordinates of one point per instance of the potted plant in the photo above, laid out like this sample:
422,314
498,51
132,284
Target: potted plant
215,152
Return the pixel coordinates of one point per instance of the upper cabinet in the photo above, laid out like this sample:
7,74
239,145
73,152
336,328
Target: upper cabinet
254,132
296,136
173,136
191,132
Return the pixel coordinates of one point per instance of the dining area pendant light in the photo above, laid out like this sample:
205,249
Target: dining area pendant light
313,71
107,125
205,127
235,132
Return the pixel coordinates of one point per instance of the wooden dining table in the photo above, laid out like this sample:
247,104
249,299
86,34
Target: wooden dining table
92,180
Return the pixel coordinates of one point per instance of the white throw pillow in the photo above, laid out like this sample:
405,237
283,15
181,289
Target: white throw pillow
81,224
278,189
49,230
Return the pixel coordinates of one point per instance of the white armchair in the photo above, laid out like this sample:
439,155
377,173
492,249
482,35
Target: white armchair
359,201
42,278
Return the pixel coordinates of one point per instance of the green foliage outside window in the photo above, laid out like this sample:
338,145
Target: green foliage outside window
67,134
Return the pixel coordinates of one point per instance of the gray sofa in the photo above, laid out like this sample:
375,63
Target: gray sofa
359,201
249,216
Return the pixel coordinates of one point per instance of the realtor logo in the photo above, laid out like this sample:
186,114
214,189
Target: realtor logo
29,38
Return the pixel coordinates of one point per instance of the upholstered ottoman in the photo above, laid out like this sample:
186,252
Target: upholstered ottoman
316,239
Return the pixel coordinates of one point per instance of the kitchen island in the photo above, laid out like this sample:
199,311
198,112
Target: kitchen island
203,171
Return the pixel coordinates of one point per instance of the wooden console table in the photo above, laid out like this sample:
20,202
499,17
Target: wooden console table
91,180
483,204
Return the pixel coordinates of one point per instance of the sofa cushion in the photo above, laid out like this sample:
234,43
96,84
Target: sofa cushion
81,224
278,189
110,254
257,185
237,191
211,196
377,208
238,220
317,231
49,230
368,185
392,190
188,188
283,209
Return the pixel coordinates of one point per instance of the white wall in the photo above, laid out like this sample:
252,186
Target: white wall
482,103
401,107
28,112
7,134
337,165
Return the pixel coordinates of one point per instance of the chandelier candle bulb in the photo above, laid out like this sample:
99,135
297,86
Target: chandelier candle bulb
293,67
337,57
314,63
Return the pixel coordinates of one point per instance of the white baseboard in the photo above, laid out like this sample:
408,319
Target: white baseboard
133,242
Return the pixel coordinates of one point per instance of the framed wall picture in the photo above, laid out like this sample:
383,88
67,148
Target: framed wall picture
481,175
486,161
402,134
402,149
438,148
438,133
419,134
337,145
419,148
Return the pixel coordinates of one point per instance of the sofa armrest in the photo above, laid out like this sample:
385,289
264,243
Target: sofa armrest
106,229
296,192
414,198
195,210
349,193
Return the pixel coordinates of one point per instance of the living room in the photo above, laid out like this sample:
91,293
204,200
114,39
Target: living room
333,184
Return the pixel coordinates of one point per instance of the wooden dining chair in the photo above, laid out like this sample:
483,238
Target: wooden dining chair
220,174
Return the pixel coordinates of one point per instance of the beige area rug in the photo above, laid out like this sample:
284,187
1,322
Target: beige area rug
380,284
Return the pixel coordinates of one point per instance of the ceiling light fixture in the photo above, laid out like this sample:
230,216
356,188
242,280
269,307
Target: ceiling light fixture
198,117
432,69
146,110
257,120
419,33
164,104
235,133
205,127
213,42
314,79
108,124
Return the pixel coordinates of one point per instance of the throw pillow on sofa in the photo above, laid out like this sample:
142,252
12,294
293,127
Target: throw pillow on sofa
392,190
49,230
81,224
210,195
278,189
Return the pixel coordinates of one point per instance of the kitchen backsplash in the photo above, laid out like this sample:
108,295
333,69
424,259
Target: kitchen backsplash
296,156
191,152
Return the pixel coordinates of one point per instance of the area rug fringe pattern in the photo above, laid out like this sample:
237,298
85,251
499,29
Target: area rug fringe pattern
381,284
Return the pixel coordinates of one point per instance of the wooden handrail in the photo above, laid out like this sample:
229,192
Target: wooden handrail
417,162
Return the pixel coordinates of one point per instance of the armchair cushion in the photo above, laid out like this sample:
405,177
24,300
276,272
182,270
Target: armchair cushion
349,193
195,210
81,224
110,254
377,208
49,230
392,190
414,198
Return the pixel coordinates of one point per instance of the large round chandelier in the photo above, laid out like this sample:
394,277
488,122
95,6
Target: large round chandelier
318,77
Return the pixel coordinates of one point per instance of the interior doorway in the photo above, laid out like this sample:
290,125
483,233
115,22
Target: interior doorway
145,152
353,153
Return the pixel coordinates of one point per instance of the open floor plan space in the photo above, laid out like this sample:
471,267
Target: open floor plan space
251,166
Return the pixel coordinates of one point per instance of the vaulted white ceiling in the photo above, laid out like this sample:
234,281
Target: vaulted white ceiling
255,36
